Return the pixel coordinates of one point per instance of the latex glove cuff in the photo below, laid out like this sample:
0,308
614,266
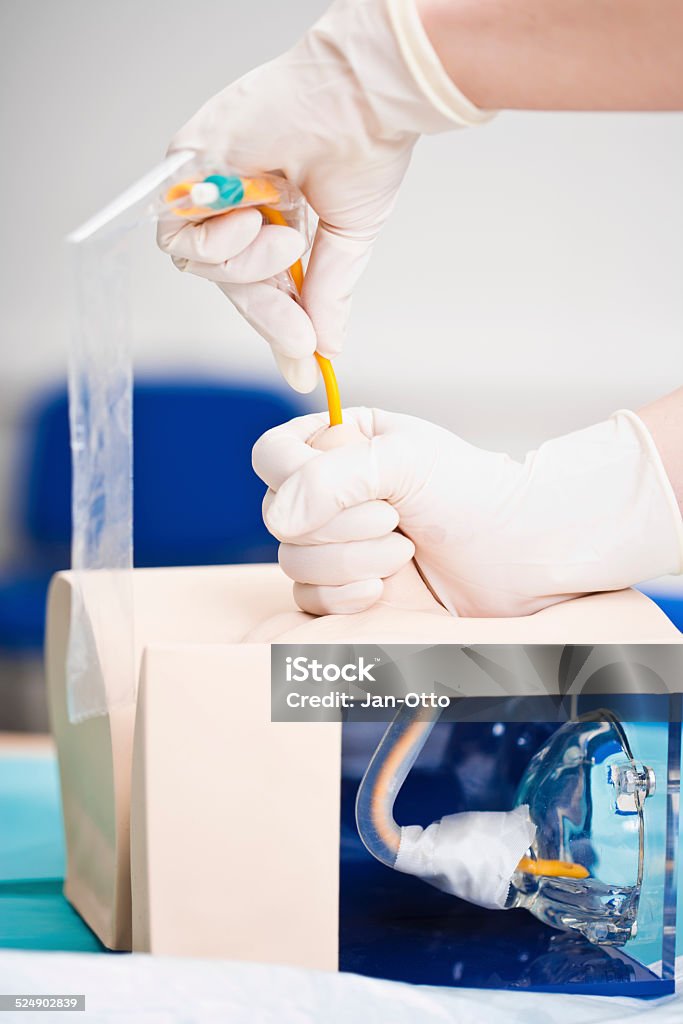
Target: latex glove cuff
426,68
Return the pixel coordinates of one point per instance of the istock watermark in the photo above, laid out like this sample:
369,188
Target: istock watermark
371,682
302,669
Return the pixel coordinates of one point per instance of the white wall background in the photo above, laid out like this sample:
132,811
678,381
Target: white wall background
530,281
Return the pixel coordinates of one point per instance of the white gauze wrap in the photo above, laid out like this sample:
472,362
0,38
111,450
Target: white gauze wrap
472,855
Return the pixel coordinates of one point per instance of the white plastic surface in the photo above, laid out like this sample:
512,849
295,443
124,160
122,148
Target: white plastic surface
164,990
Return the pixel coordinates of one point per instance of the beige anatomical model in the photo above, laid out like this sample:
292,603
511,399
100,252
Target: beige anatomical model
231,847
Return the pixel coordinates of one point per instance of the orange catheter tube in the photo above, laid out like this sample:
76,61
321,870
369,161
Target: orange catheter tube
326,369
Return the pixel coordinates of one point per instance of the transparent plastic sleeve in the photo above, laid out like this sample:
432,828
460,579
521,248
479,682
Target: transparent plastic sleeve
101,659
396,754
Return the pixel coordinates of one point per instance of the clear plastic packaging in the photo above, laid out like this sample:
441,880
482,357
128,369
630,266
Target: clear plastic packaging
586,794
101,660
392,761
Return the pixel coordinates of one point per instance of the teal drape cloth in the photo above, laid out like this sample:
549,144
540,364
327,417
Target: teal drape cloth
33,911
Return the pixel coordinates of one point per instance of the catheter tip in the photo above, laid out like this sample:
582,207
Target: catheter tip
552,868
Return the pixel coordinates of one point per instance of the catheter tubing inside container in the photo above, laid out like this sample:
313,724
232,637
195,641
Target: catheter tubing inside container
395,756
393,759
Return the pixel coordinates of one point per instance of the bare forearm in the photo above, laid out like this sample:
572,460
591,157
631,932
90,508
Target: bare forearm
664,420
561,54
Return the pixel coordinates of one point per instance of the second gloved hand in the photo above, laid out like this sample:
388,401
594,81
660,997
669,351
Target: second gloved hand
491,536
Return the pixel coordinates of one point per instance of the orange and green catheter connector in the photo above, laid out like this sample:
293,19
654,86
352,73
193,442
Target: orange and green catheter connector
218,194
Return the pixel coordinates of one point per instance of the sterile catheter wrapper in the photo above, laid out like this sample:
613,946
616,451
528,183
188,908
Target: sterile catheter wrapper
101,669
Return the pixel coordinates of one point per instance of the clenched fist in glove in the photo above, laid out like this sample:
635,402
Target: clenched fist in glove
491,536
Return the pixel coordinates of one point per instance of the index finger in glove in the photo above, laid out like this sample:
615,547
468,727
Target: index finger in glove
326,485
274,250
209,241
284,449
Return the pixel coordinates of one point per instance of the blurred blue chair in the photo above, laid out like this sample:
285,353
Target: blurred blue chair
196,499
669,596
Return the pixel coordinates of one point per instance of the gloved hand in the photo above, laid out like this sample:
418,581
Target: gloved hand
339,114
491,536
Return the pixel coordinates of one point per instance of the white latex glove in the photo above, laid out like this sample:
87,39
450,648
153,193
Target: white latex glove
491,536
339,114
